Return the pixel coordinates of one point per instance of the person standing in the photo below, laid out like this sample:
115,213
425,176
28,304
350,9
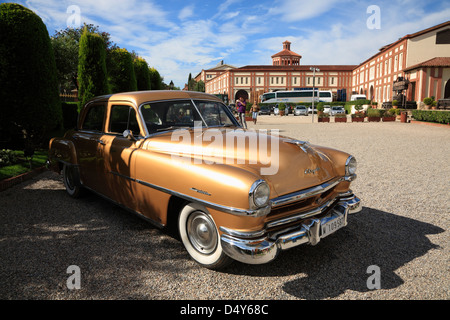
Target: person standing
255,109
241,105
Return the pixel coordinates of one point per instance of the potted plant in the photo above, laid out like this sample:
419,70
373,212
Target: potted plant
322,116
340,117
428,102
390,115
394,104
374,115
359,115
281,107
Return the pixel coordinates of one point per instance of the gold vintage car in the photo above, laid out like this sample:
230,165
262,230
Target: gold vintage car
180,159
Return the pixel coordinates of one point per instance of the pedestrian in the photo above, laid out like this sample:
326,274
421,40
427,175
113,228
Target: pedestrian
241,106
255,109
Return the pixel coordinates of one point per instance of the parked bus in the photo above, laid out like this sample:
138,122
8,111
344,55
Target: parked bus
296,96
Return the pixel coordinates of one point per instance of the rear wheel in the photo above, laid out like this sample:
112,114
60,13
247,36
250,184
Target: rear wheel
72,181
201,238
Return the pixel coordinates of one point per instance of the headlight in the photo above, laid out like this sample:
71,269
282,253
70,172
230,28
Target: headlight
259,194
350,166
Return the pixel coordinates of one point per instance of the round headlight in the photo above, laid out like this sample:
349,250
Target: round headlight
350,166
260,193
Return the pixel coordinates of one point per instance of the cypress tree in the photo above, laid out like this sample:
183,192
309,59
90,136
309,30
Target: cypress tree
142,74
29,95
121,71
92,76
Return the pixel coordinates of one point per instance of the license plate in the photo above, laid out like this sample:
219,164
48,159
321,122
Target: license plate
333,225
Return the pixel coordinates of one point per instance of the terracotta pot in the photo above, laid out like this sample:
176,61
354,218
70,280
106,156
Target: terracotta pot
387,119
324,119
373,119
357,119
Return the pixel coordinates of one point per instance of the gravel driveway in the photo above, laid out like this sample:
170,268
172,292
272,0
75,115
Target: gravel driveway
403,180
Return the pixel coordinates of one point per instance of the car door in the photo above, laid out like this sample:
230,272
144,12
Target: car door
119,152
89,146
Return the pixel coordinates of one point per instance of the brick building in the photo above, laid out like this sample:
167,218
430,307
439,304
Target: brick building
422,58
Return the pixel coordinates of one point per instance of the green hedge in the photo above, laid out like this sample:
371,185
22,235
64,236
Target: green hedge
28,84
92,76
432,116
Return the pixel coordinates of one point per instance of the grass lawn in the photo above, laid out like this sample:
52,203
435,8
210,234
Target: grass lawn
23,165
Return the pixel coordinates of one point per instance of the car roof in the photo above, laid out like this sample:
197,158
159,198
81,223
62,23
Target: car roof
139,97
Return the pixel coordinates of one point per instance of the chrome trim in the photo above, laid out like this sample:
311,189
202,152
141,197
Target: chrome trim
265,249
301,216
306,193
236,211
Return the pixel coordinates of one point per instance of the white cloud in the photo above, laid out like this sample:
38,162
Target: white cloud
296,10
186,12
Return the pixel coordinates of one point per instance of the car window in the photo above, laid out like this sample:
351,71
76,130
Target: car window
94,118
164,115
123,118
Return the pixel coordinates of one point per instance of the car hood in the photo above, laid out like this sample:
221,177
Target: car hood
286,164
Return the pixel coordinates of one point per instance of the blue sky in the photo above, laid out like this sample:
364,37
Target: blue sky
178,37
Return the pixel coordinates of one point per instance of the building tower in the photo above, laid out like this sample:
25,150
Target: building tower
286,57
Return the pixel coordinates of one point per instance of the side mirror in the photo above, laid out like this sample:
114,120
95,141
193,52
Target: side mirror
129,135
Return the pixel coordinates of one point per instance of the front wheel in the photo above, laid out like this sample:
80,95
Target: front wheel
200,237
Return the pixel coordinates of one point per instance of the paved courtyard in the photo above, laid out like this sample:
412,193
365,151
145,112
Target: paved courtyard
403,180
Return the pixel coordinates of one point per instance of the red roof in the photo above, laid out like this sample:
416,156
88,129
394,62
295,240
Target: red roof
295,68
286,52
435,62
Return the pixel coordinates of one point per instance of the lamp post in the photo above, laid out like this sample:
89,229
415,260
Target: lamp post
314,70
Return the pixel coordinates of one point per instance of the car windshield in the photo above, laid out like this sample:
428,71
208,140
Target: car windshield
174,114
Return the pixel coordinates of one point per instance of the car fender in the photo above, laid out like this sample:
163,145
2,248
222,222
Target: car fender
62,151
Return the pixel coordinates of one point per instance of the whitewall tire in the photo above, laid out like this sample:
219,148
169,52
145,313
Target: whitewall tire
200,237
72,181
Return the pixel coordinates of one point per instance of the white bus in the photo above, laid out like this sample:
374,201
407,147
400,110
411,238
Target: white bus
296,96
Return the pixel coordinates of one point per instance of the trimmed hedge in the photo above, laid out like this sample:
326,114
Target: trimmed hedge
92,77
28,84
142,73
120,68
432,116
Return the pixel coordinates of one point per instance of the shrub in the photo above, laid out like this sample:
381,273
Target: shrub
92,78
432,116
375,112
142,73
428,101
281,106
121,74
7,158
28,84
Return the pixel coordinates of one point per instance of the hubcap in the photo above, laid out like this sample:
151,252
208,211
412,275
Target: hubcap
202,232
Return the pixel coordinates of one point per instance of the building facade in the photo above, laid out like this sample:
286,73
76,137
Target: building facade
285,73
422,58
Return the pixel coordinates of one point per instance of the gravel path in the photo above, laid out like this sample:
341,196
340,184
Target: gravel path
403,179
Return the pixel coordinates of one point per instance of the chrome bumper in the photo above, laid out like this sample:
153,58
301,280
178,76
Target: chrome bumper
266,247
